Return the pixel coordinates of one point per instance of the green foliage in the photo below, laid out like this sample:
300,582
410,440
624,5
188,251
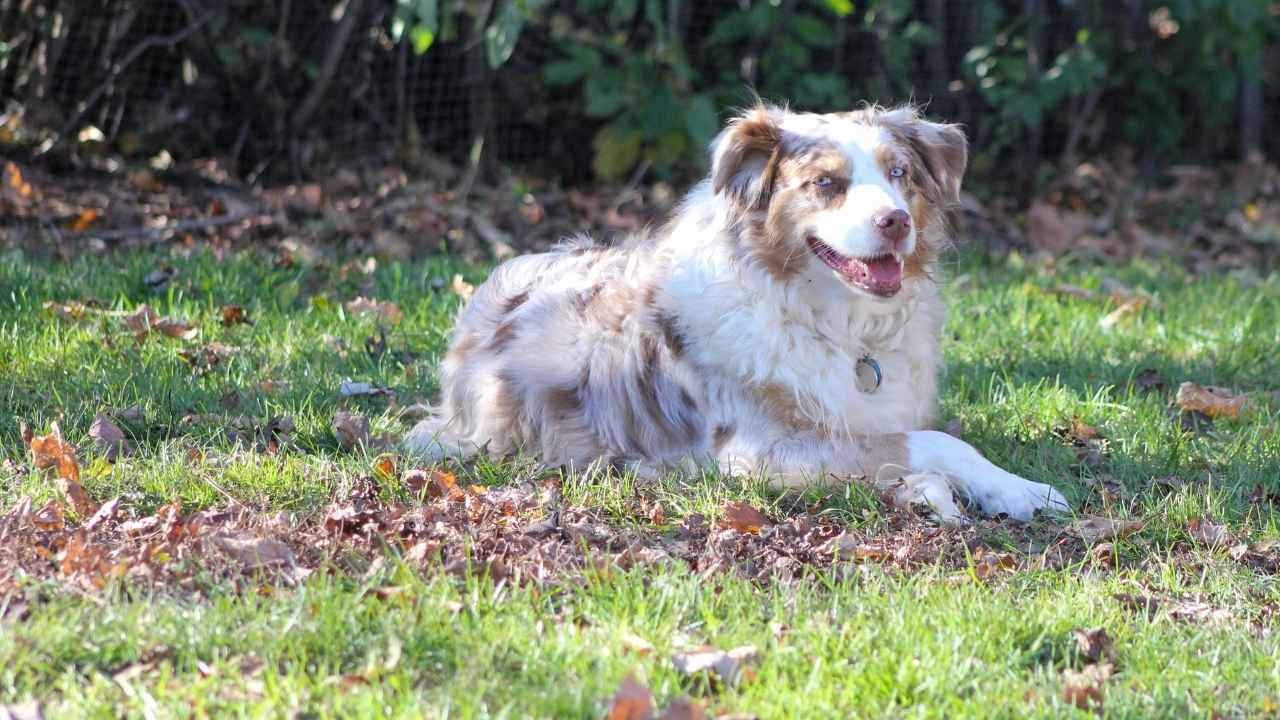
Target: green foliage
1176,79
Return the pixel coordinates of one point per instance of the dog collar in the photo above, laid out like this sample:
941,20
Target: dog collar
867,374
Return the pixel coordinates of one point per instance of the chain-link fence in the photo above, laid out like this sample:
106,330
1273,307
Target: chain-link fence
288,89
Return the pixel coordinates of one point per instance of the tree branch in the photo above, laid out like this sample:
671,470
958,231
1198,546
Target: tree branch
147,42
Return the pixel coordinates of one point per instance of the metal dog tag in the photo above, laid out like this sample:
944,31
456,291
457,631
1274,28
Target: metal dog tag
868,374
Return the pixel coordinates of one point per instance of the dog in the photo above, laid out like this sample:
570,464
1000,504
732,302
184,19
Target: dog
785,321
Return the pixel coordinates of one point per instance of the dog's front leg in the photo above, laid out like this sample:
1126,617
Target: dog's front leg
994,489
797,461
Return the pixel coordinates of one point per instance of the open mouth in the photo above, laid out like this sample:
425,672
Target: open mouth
880,275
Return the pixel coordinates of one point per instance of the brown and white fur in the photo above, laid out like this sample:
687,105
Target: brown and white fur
731,335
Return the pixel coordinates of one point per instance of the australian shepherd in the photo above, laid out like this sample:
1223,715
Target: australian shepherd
786,321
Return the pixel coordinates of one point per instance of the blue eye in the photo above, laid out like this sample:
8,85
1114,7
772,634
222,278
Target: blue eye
823,181
897,171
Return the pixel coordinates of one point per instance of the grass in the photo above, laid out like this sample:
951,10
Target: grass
854,641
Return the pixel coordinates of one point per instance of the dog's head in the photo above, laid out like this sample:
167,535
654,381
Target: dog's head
857,198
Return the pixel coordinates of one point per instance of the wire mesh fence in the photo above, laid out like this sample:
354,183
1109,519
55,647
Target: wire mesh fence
288,89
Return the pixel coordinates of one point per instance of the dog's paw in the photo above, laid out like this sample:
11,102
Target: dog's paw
1020,499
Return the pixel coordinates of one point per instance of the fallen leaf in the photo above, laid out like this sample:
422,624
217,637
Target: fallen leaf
385,467
16,189
987,565
727,664
351,389
175,328
73,310
1097,529
1201,612
51,451
104,515
1075,291
1083,430
632,701
1129,307
351,429
382,311
84,220
1084,689
462,288
635,644
435,483
848,547
158,278
141,526
49,517
109,438
254,552
1210,400
144,320
1209,533
234,315
1094,645
1149,379
744,518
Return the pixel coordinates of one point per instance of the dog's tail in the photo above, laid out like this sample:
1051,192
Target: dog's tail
435,439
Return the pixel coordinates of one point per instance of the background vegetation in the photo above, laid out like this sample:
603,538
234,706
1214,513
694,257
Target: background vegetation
603,89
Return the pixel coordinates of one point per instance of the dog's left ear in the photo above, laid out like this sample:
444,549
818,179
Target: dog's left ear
943,153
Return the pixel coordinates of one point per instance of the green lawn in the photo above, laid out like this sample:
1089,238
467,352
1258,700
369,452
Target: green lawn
871,638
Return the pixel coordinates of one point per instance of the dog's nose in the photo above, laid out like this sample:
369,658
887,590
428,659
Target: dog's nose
894,224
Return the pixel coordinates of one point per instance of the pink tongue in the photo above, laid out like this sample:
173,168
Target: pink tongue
885,272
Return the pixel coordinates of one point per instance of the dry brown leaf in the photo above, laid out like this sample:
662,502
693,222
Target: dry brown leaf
1132,306
1075,291
1194,611
848,547
727,664
109,438
175,328
73,310
382,311
435,483
84,220
104,515
145,320
635,644
987,565
49,517
632,701
51,451
254,552
744,518
141,320
1097,529
16,188
1083,430
1085,689
351,429
234,315
462,288
1210,400
1209,533
385,467
1094,645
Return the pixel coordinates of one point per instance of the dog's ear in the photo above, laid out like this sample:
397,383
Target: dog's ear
943,153
744,158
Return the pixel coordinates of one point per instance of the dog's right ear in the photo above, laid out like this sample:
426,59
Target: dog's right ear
744,158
